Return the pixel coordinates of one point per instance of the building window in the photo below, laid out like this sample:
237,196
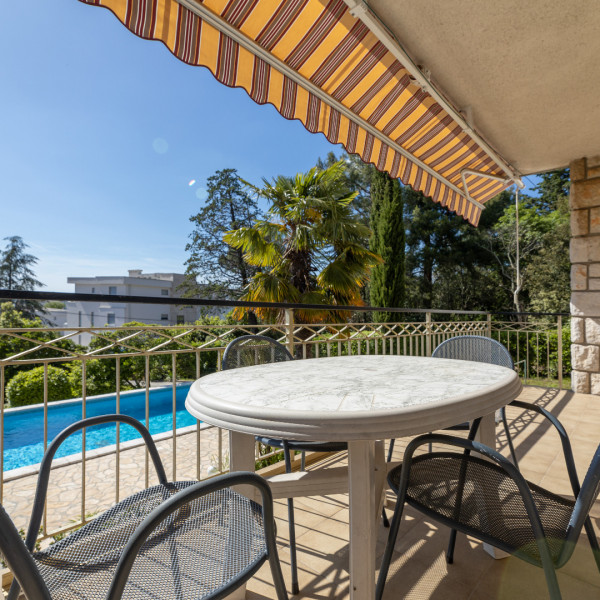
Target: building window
112,290
180,320
164,292
164,317
110,319
92,319
93,290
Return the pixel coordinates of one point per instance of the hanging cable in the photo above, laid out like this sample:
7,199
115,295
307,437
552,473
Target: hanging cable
518,265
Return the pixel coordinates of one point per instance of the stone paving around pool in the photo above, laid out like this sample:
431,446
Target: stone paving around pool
65,490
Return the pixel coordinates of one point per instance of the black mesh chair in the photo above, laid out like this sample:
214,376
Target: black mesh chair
180,540
489,499
476,348
249,350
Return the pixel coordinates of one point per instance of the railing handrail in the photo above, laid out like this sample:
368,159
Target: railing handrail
179,301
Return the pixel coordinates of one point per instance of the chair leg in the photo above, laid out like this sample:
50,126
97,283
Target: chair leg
389,548
278,578
391,450
589,529
451,544
459,492
551,581
384,517
513,454
292,526
386,521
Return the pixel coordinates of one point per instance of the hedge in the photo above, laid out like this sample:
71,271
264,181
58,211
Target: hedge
27,387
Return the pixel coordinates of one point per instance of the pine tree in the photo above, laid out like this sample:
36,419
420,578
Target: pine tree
16,274
387,240
221,269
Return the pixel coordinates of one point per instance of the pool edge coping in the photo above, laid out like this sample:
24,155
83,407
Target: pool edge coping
72,459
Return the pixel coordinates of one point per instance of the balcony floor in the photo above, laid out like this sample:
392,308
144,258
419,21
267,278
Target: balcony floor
419,570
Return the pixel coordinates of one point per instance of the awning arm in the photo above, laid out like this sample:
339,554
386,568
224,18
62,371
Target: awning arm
361,10
466,172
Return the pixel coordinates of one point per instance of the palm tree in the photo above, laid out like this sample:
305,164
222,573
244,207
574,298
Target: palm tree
309,248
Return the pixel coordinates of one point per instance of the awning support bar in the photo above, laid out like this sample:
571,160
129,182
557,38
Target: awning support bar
204,13
361,10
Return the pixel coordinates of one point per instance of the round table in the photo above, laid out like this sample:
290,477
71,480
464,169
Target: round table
357,399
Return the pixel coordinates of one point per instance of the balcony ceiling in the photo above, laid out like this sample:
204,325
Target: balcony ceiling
529,70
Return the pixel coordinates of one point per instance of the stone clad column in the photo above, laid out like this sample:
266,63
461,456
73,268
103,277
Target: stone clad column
585,274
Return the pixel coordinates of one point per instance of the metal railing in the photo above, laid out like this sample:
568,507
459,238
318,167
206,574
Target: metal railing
139,356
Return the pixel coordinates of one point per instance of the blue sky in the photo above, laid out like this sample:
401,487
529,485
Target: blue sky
101,134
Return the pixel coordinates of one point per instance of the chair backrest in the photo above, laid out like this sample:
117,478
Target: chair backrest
476,348
249,350
19,560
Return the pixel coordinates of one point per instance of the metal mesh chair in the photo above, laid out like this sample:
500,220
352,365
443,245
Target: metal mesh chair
178,540
476,348
249,350
490,500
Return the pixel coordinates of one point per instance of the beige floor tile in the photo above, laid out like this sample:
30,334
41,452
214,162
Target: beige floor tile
419,570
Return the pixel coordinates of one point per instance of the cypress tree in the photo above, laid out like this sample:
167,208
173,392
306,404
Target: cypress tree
387,240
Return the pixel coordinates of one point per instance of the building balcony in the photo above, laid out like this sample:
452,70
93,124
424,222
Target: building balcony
105,475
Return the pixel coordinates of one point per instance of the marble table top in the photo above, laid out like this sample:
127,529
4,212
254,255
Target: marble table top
351,397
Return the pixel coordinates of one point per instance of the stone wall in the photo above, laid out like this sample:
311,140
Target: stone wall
585,274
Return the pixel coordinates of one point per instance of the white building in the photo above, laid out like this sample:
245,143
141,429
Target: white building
100,314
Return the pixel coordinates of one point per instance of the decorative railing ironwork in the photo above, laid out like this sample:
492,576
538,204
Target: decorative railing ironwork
138,355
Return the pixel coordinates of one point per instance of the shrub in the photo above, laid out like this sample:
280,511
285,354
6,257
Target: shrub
27,387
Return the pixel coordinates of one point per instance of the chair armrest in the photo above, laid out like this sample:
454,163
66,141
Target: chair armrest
46,464
465,444
185,496
564,440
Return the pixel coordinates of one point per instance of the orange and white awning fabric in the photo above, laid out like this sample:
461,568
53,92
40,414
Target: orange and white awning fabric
317,63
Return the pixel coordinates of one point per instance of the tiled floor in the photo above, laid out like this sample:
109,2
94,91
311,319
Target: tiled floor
419,570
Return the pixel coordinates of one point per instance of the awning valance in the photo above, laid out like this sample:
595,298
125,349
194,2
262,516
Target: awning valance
317,63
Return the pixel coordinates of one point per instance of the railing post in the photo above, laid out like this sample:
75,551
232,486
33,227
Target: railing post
289,330
559,351
489,325
428,334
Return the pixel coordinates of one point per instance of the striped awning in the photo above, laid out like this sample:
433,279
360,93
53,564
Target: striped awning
316,62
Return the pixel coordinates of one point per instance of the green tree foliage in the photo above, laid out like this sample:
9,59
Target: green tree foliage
27,387
448,262
387,284
357,176
543,247
309,248
23,341
547,276
211,261
54,304
16,273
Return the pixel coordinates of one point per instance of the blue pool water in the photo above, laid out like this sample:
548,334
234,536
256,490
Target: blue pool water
24,428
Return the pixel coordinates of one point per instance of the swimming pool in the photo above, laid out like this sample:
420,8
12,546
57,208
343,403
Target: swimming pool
24,427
